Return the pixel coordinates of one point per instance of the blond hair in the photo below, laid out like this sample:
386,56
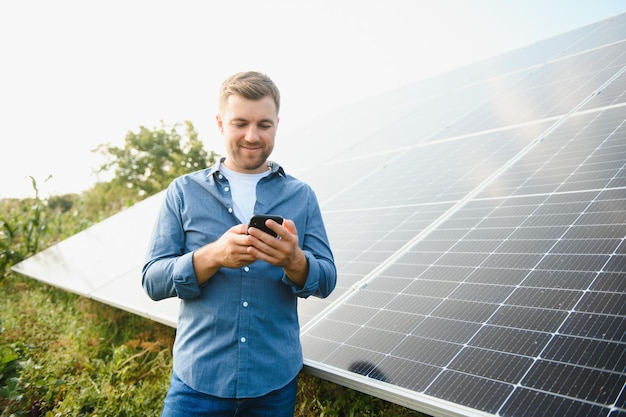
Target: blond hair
251,85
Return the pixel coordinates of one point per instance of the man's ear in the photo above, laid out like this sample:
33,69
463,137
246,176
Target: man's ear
220,123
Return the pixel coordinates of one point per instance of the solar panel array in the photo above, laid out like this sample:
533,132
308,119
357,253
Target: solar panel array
478,221
483,258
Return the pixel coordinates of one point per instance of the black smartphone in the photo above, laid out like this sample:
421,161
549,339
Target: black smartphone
258,221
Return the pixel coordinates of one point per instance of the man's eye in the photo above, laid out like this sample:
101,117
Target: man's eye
265,126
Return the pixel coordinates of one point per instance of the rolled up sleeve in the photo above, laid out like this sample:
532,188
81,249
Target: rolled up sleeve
320,280
322,275
168,271
171,277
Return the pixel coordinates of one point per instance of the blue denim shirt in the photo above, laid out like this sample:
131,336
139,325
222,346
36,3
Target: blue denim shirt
238,334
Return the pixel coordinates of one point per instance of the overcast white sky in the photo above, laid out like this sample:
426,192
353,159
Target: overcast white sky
76,74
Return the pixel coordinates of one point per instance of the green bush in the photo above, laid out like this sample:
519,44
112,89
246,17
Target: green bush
66,355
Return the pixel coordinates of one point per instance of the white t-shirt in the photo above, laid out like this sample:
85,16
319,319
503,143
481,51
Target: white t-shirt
243,190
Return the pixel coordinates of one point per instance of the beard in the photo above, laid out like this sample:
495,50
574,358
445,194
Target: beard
249,163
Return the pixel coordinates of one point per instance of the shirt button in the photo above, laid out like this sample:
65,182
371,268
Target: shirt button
245,304
226,189
230,209
243,340
246,268
220,176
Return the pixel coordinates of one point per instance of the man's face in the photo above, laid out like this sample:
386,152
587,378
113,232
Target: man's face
249,128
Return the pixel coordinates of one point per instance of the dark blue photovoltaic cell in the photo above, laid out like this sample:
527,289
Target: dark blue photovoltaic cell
533,403
480,393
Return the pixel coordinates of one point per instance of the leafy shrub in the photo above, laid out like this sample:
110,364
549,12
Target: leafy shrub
67,355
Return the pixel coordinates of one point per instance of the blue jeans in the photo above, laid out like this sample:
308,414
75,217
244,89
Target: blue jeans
182,401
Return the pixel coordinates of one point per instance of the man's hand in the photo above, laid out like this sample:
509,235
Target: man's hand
282,251
230,251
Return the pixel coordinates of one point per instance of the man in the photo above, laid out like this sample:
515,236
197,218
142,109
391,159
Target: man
237,350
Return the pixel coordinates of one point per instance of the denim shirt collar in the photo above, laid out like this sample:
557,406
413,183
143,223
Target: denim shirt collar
274,168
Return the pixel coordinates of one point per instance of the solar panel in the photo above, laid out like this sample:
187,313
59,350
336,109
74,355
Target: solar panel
478,221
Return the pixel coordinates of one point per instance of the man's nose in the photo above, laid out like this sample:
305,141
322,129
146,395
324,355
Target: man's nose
252,133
